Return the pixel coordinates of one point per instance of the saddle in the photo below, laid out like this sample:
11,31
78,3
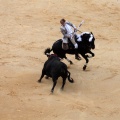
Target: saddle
69,45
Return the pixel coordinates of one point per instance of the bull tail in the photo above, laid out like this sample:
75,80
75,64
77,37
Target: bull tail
69,78
47,51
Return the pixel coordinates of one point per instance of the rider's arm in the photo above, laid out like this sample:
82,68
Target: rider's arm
69,23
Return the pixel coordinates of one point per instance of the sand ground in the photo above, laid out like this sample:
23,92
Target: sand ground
27,27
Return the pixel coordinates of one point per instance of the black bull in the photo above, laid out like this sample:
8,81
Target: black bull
54,68
84,47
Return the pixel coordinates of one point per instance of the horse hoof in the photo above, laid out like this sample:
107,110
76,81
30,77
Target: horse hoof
78,58
46,77
87,56
84,68
71,62
93,55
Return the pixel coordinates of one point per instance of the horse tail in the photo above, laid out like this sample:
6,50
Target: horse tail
47,51
69,79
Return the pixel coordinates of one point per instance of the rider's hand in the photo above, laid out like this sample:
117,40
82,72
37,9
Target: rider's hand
71,36
75,29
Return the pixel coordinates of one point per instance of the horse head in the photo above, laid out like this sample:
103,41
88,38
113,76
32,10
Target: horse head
88,39
91,41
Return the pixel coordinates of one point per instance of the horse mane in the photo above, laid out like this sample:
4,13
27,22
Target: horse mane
91,33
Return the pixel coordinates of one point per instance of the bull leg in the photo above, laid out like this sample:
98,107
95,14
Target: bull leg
41,76
87,60
64,81
54,84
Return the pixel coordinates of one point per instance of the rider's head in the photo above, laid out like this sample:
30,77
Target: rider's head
62,21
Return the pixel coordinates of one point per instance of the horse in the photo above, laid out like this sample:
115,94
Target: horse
85,43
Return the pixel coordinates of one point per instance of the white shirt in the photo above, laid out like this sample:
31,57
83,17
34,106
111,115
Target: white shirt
69,29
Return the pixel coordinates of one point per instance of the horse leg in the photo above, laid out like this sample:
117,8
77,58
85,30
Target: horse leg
69,60
91,54
87,60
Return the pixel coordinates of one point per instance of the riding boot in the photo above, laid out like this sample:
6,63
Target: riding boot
77,55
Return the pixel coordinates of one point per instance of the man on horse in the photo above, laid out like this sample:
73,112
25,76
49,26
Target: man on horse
68,29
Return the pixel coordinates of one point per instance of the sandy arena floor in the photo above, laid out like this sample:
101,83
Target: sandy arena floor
27,28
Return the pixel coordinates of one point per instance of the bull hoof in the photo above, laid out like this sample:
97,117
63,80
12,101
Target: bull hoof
62,88
84,67
51,91
39,81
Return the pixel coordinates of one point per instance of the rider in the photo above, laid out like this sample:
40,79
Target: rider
68,29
